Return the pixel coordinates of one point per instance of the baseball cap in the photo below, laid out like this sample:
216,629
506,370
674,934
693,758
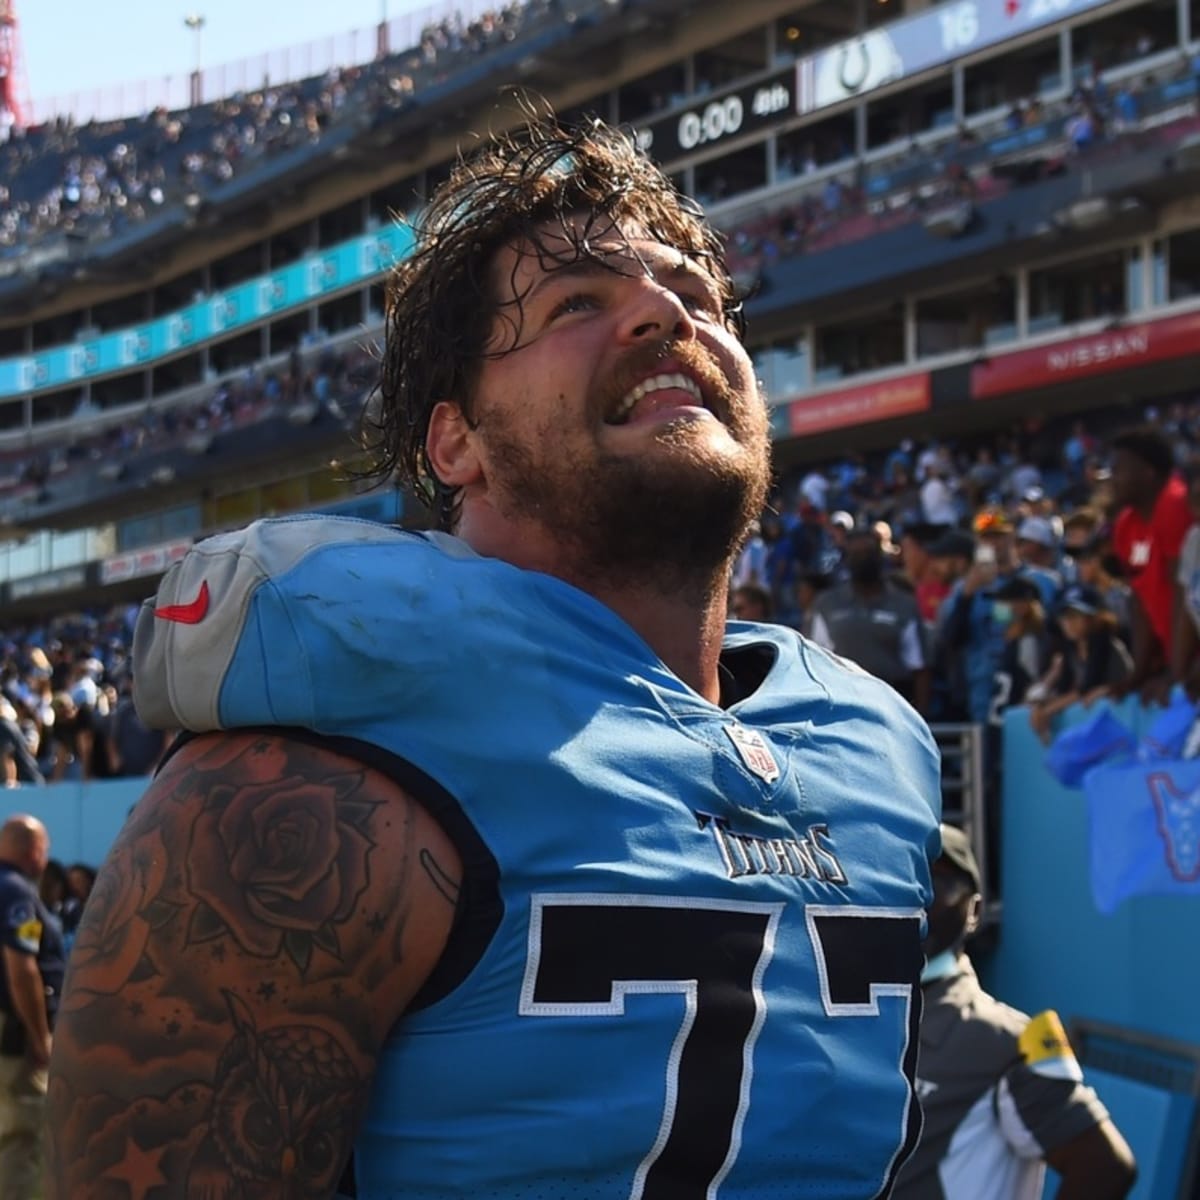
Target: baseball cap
956,850
1037,529
842,520
1019,587
1082,599
992,520
924,533
954,543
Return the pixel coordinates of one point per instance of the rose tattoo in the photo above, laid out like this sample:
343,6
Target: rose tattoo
279,865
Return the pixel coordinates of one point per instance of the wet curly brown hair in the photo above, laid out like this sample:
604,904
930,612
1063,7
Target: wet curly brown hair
442,304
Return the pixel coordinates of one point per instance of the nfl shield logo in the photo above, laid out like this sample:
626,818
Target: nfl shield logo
755,752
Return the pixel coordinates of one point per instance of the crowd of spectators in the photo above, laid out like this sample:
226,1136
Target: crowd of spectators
333,378
98,179
1044,569
963,167
1048,566
66,702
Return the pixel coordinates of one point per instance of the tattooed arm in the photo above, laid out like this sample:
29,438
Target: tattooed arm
261,923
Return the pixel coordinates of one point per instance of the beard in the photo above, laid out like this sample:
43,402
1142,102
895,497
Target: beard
671,520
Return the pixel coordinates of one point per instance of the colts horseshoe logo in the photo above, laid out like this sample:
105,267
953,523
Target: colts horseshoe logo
850,82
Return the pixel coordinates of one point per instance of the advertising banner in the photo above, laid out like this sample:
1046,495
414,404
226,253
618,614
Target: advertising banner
914,44
860,405
1082,357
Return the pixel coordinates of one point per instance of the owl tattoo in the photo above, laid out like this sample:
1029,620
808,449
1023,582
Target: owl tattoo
282,1114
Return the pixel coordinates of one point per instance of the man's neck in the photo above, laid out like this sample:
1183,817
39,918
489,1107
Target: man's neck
683,624
1146,505
868,590
686,635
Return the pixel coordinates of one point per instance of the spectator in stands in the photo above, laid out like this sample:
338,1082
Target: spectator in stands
814,490
905,507
17,762
1026,651
916,568
1081,529
838,529
1093,661
1086,549
1024,477
969,622
875,624
951,557
982,478
56,896
810,587
81,878
1092,490
1081,128
68,749
1153,519
938,503
951,554
805,550
751,602
751,564
1038,552
1002,1093
32,963
133,749
1076,450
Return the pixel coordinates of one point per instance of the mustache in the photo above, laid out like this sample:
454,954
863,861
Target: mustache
639,362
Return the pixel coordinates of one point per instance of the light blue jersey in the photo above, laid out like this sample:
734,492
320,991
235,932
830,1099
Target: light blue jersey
687,966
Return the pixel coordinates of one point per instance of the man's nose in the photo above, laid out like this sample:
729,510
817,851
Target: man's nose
656,312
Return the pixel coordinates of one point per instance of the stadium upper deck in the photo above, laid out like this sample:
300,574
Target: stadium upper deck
920,197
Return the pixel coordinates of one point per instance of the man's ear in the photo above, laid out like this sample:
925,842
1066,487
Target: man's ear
451,446
974,914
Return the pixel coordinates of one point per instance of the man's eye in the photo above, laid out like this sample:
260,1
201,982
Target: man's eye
701,302
577,302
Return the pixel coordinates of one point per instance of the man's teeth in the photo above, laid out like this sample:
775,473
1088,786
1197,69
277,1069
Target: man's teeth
657,383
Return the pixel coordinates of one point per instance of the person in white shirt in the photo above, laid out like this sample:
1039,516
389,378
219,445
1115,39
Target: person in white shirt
938,504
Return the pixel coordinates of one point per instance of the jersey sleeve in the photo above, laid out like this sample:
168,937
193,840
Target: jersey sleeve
1042,1101
20,921
229,639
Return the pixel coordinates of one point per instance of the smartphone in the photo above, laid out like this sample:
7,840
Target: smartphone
985,555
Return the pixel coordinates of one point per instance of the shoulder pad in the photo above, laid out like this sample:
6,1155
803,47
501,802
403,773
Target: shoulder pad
188,635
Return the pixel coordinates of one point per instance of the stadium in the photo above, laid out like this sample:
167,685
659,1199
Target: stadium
967,236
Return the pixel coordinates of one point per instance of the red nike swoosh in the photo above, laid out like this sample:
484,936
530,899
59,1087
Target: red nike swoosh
186,614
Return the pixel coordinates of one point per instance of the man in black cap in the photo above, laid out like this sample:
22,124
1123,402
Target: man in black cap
873,623
1002,1093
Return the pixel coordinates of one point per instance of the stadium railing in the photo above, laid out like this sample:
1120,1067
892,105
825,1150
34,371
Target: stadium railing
964,797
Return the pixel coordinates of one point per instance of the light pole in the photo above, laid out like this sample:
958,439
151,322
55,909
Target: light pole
195,22
381,40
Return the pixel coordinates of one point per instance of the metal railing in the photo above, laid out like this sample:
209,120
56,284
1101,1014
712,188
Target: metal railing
964,797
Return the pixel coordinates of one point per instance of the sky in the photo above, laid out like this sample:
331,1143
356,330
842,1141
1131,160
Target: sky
74,47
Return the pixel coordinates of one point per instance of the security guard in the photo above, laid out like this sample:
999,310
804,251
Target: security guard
1002,1093
30,983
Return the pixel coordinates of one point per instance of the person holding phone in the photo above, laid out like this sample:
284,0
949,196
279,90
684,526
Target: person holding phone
974,618
975,622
